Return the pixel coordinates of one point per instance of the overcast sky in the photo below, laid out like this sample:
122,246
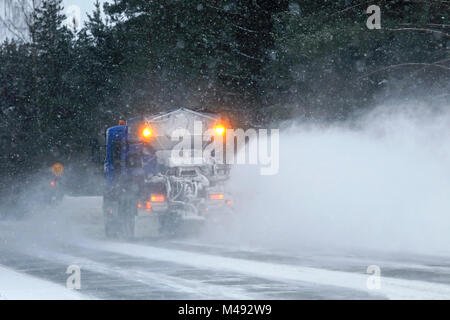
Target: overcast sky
80,7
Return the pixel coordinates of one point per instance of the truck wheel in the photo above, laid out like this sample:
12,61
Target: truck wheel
110,229
110,210
127,218
128,225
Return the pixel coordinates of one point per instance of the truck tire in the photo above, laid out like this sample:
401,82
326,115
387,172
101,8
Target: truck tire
110,215
127,217
128,225
110,229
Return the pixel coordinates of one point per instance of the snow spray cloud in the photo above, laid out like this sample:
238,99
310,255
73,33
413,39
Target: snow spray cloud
33,216
380,182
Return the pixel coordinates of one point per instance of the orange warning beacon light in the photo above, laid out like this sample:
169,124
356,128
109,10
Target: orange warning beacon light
57,169
219,129
147,132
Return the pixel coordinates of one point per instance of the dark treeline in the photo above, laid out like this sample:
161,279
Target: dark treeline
258,60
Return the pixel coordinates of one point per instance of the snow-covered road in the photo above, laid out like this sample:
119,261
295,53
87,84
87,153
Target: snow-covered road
35,254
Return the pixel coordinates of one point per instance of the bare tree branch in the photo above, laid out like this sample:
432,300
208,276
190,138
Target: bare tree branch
244,29
442,61
8,25
444,34
429,25
223,10
12,24
246,55
412,64
347,9
435,2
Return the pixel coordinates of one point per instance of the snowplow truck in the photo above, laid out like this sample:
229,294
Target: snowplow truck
144,174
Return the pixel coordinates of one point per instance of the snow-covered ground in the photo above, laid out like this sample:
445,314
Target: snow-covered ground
19,286
35,254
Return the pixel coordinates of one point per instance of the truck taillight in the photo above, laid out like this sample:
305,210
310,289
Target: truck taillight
216,196
157,198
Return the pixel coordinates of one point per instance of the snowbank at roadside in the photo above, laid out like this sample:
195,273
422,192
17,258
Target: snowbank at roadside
19,286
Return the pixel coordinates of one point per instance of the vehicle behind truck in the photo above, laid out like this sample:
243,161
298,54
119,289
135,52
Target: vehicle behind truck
146,173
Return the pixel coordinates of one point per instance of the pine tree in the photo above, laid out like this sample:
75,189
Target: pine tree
53,59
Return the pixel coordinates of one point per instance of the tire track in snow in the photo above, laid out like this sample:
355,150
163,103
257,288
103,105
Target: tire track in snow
392,288
195,289
178,281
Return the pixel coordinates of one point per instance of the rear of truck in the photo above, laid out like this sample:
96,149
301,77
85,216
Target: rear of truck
150,180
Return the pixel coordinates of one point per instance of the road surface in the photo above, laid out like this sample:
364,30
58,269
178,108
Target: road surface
36,252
